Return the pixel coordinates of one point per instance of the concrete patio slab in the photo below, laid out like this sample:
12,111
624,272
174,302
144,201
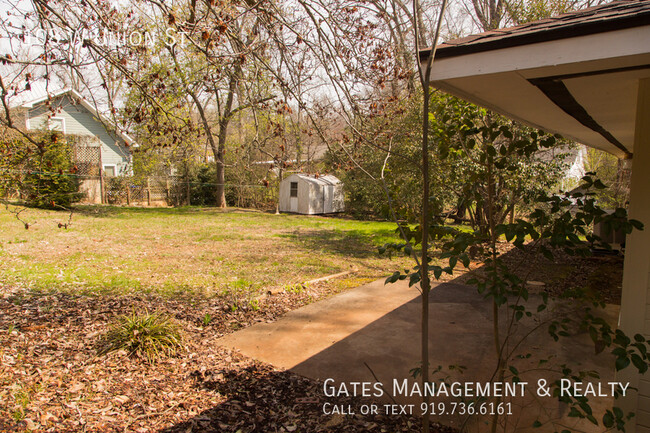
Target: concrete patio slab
373,330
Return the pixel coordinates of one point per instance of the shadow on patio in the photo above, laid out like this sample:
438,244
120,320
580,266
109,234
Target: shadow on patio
371,334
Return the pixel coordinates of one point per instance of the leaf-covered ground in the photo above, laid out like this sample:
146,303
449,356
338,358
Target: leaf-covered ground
598,276
52,380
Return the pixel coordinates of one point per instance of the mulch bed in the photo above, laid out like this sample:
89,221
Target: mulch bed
51,378
599,275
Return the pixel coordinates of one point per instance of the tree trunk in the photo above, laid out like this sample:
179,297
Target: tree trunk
220,153
622,185
221,163
221,178
461,210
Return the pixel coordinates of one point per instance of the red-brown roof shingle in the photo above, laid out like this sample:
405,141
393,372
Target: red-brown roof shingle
612,16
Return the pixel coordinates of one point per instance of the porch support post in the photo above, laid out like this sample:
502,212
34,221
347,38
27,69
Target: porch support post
635,303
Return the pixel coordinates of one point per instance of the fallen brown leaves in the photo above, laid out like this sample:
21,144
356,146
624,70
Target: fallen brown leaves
599,275
51,379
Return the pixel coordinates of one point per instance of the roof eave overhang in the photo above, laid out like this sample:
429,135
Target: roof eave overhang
552,34
510,79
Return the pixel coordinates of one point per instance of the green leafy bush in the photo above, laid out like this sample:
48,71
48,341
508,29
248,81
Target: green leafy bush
44,174
203,185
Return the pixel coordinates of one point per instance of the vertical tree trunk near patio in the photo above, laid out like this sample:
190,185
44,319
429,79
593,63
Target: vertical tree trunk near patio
491,228
425,283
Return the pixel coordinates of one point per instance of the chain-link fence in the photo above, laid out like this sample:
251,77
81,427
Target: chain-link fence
149,191
178,191
97,188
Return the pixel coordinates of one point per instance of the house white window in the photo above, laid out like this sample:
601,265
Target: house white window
110,170
56,124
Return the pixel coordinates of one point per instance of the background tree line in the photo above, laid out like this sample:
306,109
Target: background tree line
231,95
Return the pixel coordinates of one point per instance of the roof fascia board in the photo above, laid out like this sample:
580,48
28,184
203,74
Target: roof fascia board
600,46
524,36
557,92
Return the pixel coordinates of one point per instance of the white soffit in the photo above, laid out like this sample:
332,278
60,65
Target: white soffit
599,71
611,101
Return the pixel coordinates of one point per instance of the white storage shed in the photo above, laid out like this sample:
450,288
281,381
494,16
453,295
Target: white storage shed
311,194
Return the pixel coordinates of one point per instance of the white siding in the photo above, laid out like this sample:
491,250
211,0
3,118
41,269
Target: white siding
338,199
305,195
283,199
643,416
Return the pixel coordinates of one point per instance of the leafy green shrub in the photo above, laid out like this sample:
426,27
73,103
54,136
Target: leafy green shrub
43,174
144,335
203,185
116,189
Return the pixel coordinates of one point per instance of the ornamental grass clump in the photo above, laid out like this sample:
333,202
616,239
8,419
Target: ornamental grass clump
143,335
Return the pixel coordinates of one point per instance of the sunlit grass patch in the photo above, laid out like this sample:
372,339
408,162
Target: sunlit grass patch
201,251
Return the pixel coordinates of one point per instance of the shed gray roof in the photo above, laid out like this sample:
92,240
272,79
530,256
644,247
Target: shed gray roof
616,15
326,179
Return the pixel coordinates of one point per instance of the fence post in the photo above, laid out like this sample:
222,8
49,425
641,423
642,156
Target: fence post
128,193
148,192
167,190
102,186
188,192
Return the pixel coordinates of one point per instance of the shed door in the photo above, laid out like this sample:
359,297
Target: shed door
293,197
328,196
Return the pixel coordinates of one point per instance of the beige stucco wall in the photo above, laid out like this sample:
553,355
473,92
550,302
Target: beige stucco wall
635,302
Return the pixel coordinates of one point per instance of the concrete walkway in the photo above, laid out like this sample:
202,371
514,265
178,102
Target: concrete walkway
376,327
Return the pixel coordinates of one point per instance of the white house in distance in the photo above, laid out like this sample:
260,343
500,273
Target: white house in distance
311,194
67,111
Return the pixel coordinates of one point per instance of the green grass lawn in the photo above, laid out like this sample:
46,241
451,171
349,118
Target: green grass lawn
188,250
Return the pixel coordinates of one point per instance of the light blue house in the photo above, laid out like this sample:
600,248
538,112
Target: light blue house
67,111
